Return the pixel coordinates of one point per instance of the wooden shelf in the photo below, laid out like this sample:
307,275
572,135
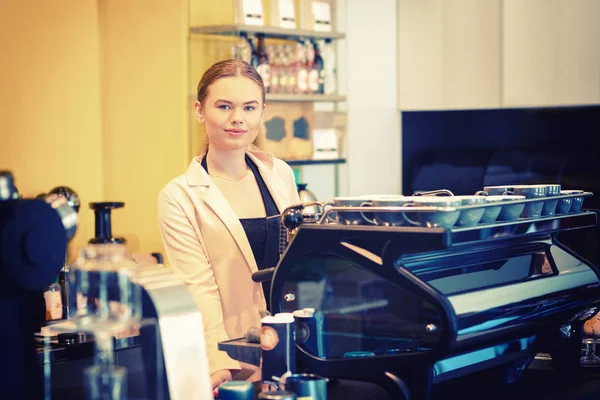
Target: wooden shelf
267,31
292,98
304,97
293,163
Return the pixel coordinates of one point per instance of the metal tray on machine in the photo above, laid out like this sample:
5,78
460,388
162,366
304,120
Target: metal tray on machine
242,350
523,227
438,238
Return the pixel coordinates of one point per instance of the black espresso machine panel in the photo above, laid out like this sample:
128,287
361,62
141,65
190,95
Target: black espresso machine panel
410,306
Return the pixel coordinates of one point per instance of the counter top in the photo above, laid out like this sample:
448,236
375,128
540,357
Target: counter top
52,351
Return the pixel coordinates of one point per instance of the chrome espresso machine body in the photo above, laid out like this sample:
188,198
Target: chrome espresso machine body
406,307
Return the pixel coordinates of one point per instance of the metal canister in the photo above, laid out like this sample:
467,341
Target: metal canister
309,330
277,343
236,390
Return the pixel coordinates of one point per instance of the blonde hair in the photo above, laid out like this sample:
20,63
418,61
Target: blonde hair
224,69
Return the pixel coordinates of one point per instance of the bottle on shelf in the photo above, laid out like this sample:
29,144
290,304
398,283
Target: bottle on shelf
312,73
53,298
274,53
329,64
241,49
254,58
289,68
301,71
320,68
264,69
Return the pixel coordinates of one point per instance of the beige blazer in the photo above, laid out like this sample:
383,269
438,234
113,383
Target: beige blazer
206,244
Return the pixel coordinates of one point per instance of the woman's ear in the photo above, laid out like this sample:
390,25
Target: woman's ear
264,110
199,111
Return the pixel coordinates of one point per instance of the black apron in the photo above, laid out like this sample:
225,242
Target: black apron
262,233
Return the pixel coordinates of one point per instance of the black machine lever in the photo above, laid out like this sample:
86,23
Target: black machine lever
264,275
103,223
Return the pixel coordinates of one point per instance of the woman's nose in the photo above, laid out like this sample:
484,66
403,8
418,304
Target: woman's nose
236,115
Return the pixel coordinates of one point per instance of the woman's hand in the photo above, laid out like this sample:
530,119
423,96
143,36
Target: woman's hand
143,258
220,377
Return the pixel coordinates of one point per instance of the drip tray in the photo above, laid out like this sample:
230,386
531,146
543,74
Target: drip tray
242,350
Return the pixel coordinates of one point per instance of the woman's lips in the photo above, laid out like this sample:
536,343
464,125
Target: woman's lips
235,132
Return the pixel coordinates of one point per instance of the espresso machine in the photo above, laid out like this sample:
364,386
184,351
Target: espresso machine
407,307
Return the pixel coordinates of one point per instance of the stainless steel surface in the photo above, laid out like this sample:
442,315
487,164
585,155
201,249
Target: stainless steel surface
66,213
329,208
69,194
175,316
184,354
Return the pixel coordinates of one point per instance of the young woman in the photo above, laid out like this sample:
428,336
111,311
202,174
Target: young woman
220,220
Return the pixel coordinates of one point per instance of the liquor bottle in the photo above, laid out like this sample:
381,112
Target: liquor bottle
274,53
289,68
328,54
52,296
320,67
283,69
264,69
241,49
313,73
301,70
254,58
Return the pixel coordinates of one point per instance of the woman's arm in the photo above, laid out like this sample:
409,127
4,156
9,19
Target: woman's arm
291,185
187,258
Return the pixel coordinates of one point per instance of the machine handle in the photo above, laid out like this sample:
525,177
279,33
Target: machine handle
263,275
103,224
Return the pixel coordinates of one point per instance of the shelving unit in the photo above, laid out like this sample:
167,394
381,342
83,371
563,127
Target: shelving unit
268,31
283,97
297,98
211,40
295,163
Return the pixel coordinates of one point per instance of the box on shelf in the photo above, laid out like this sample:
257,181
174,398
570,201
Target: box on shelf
312,15
328,134
316,15
249,12
288,131
284,14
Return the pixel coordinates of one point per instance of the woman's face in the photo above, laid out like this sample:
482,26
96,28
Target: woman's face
232,112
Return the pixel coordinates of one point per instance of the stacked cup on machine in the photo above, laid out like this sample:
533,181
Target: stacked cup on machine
278,347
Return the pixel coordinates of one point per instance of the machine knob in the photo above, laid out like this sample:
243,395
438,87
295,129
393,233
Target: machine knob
34,243
292,218
66,212
103,224
289,297
69,194
71,338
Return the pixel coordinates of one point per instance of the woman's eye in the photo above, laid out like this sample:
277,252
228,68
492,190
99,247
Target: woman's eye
224,107
249,108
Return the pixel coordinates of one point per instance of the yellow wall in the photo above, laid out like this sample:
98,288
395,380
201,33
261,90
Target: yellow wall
97,95
145,108
94,95
50,130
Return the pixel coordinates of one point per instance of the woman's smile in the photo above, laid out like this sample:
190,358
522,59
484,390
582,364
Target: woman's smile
235,131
